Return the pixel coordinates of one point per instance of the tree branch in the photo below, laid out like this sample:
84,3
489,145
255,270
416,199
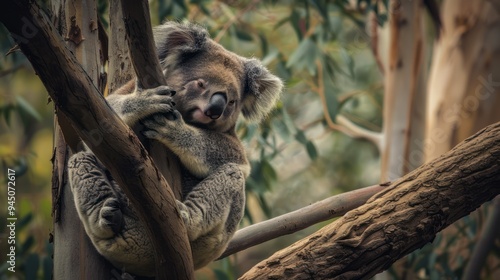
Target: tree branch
344,124
486,243
397,220
110,139
356,131
302,218
149,75
147,67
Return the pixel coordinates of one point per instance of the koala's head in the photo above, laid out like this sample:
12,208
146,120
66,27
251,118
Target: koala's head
213,85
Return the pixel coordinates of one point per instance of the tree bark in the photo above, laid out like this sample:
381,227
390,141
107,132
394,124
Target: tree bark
110,139
120,65
398,220
74,254
147,67
150,75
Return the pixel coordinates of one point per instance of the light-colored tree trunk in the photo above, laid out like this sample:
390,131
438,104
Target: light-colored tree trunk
74,254
463,97
404,96
464,81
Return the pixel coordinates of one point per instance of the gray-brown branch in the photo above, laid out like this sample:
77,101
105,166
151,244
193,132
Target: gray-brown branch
398,220
149,75
302,218
74,94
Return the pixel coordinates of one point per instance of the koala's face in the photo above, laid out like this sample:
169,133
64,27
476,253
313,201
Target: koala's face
213,85
209,88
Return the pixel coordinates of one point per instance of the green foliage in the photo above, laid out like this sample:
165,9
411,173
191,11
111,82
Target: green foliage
25,111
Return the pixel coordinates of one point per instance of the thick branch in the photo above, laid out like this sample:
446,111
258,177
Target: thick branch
141,44
397,220
289,223
149,75
109,138
147,67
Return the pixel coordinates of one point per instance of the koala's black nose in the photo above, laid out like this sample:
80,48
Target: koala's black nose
216,106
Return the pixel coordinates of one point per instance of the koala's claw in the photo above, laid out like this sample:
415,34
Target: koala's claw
111,215
161,126
160,90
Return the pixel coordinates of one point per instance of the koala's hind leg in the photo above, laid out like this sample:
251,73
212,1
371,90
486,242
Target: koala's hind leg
212,211
97,197
111,224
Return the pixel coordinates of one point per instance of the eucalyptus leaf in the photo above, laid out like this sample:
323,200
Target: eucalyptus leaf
47,265
331,97
31,265
242,35
311,150
306,46
25,107
295,20
301,137
26,245
220,275
268,171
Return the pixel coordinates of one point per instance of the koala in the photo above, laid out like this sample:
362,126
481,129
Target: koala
194,116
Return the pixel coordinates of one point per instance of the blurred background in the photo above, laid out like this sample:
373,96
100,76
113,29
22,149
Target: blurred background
373,90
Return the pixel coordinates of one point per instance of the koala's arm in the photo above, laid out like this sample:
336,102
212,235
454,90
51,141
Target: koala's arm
141,103
201,151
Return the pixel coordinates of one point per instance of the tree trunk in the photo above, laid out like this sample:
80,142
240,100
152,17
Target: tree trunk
398,220
74,254
464,83
114,144
121,70
463,94
404,96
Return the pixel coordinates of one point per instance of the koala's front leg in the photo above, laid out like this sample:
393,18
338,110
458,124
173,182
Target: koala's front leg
187,142
201,151
98,199
212,212
142,103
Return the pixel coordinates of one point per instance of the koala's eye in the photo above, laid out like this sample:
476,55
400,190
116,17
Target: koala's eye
231,102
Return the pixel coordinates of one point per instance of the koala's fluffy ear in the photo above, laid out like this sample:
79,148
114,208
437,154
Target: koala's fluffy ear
174,37
262,90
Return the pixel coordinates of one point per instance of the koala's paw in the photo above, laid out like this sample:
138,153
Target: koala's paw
110,218
162,126
183,211
148,102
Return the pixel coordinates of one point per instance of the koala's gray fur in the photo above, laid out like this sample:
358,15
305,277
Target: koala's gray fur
213,86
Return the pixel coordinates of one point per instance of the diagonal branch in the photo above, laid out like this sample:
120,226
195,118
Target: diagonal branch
398,220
